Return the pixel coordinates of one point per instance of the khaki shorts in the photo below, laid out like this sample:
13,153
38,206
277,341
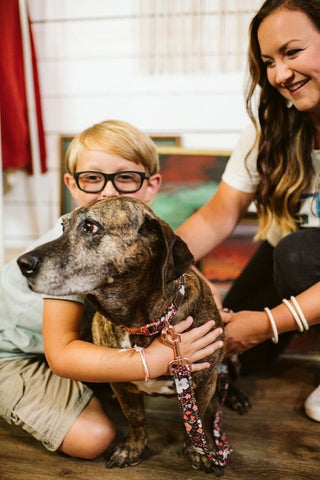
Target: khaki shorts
40,402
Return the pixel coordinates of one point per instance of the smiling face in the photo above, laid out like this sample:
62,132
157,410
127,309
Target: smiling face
290,49
101,161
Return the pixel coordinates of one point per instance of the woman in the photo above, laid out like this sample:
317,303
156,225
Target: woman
277,166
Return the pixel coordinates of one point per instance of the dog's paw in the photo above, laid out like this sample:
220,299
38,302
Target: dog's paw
237,400
201,462
126,455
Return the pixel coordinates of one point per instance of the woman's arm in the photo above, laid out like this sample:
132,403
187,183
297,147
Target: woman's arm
245,329
215,221
69,356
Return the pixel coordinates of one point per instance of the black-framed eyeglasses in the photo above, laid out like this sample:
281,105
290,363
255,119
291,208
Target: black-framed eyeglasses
123,182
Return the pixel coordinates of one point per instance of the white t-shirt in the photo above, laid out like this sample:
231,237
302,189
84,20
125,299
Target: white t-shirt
21,309
244,177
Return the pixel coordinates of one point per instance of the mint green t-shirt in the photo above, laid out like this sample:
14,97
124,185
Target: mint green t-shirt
21,309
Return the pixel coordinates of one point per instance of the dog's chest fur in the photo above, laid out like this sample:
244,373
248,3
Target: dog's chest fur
109,335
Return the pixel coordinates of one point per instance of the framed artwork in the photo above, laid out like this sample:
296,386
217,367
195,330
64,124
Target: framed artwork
190,178
166,140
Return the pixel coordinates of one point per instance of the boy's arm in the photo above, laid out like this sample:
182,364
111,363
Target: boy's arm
69,356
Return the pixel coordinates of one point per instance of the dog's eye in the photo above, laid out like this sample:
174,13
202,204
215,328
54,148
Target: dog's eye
90,227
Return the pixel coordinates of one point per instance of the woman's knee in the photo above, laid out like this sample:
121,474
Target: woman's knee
91,434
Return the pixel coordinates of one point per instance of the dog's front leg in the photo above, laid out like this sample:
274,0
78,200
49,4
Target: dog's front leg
130,451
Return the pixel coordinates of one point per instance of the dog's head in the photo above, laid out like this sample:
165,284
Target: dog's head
111,241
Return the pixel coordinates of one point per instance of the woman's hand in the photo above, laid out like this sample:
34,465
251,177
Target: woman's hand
244,330
195,345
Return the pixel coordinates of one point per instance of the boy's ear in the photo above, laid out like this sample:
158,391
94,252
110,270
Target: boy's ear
71,185
154,183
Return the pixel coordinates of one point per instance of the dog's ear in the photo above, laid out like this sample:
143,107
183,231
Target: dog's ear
176,257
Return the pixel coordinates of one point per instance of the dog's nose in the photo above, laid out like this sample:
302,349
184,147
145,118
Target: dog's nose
28,264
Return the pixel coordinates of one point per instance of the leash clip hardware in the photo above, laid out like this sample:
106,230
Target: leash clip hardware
172,339
177,363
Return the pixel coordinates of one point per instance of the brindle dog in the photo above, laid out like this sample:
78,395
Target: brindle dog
128,263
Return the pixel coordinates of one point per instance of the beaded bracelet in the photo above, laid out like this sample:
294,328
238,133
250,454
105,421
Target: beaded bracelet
275,337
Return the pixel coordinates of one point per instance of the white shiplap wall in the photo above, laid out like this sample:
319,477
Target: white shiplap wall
90,70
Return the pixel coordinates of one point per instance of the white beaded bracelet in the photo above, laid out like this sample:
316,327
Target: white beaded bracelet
275,337
294,314
300,312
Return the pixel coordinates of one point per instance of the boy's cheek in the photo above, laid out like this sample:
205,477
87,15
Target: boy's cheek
85,198
140,195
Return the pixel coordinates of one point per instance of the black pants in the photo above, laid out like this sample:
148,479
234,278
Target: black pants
272,274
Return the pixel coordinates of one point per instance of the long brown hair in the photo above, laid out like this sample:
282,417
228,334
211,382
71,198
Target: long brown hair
284,135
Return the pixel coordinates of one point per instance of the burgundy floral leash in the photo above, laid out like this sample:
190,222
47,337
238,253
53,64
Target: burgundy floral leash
180,369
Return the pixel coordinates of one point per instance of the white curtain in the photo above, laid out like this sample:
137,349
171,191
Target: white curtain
190,36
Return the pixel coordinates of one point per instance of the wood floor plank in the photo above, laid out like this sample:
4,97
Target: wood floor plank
274,441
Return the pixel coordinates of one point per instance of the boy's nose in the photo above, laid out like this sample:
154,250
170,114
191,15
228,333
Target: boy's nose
109,190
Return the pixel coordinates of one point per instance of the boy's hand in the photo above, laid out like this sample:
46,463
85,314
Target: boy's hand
195,345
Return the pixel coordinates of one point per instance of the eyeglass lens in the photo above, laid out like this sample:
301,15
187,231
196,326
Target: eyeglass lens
94,182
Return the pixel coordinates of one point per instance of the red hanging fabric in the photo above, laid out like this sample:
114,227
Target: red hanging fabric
15,137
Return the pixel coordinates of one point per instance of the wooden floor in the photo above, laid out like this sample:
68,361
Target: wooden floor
274,441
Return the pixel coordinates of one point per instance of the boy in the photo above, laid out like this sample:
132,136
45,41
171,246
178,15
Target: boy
50,400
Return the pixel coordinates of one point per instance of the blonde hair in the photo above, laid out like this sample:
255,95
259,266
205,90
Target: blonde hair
118,138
